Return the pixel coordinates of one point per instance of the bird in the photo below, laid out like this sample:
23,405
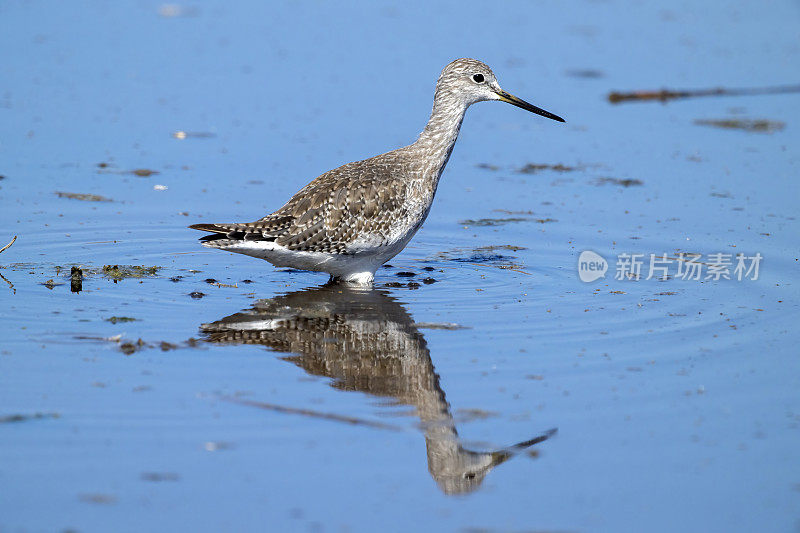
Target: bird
351,220
366,341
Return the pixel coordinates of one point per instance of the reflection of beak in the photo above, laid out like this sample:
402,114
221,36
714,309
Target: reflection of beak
511,99
499,458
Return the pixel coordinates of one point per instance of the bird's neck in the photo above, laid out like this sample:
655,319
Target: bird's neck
440,134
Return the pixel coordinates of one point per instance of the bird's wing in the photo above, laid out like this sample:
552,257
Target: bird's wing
357,201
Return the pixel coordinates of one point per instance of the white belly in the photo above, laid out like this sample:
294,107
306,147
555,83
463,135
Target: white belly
356,267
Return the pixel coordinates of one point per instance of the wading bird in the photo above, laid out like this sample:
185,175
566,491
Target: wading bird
351,220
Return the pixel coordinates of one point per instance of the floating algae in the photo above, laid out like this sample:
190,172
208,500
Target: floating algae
492,221
533,168
117,319
119,272
751,125
83,197
664,95
628,182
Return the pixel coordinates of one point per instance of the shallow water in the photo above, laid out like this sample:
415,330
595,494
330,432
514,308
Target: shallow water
492,390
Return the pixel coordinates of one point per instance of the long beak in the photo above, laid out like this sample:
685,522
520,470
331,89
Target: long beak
511,99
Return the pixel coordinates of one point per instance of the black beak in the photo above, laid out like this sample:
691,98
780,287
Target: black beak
511,99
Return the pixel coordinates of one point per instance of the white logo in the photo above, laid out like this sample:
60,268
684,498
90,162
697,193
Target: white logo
591,266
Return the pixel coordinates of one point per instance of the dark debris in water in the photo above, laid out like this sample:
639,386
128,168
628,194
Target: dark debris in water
131,347
585,73
76,274
665,95
83,196
749,125
119,272
493,247
482,254
159,476
503,221
452,326
120,319
482,258
10,285
628,182
98,498
534,168
143,172
76,279
7,246
411,285
51,284
491,221
17,417
108,168
405,274
485,256
196,294
510,212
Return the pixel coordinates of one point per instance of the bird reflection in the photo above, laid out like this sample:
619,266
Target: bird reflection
364,340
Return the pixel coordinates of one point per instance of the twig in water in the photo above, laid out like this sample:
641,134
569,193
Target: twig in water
9,283
665,95
7,246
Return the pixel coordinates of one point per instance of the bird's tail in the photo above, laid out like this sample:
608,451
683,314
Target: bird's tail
218,233
213,228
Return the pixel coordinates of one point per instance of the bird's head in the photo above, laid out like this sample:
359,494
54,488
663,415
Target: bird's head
470,81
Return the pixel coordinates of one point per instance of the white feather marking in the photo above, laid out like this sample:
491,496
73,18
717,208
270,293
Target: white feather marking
358,268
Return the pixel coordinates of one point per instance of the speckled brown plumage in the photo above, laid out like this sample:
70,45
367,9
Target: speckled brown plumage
336,208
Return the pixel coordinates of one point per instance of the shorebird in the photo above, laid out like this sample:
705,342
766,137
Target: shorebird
366,341
351,220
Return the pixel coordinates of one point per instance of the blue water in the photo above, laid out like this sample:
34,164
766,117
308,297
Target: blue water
283,405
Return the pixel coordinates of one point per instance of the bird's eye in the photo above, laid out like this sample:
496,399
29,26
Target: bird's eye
478,78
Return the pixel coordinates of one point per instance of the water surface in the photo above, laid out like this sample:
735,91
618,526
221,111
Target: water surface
488,388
